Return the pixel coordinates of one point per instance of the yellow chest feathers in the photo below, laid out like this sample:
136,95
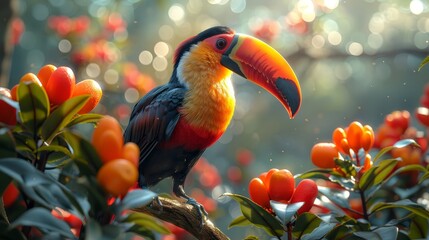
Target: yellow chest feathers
210,101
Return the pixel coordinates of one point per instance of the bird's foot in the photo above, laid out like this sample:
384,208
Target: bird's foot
156,203
202,213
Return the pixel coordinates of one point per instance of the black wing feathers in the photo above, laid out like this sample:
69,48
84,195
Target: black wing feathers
154,117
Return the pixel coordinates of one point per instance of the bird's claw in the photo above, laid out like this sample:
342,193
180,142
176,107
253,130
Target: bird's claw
202,213
158,202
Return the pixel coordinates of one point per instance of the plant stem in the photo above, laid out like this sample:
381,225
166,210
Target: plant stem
362,198
289,231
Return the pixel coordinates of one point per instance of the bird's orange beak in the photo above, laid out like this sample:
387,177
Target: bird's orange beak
258,62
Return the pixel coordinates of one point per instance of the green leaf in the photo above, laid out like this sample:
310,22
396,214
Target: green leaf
305,224
405,204
419,228
257,215
398,144
423,63
337,196
407,168
379,233
55,148
93,230
285,212
43,219
34,105
377,174
85,118
143,222
240,221
347,166
7,143
251,237
315,174
62,116
137,198
84,154
39,187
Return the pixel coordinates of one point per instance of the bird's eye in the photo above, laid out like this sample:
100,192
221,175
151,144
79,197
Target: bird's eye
221,43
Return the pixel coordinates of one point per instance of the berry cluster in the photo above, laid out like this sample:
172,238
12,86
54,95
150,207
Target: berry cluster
397,126
350,142
119,170
279,185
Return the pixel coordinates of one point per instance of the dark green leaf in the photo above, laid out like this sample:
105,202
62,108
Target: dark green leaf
315,174
401,204
285,212
34,105
240,221
10,234
7,143
62,116
39,187
137,198
419,228
347,183
377,174
54,148
93,230
84,153
144,222
257,215
381,153
319,232
424,62
43,219
305,224
85,118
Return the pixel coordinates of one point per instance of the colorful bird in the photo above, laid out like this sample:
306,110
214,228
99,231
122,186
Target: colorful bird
174,123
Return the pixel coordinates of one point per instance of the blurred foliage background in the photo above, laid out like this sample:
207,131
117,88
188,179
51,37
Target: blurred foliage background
356,60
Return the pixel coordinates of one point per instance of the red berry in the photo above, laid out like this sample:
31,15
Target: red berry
306,192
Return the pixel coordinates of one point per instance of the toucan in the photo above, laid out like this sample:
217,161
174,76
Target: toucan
173,124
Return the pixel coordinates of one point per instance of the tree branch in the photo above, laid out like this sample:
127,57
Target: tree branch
185,216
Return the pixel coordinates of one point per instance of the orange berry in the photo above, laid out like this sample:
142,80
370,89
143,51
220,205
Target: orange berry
337,136
45,73
13,93
109,146
367,164
367,140
282,185
323,155
354,135
131,152
30,77
258,193
117,176
306,192
268,176
345,146
107,123
60,85
93,89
